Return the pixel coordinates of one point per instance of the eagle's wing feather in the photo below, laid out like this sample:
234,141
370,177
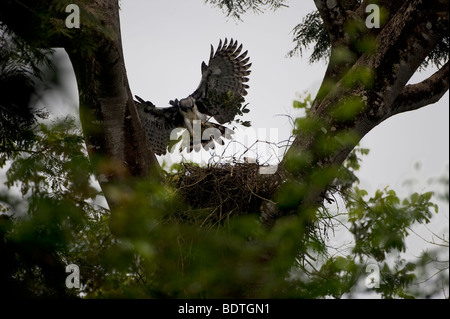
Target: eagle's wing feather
158,122
222,87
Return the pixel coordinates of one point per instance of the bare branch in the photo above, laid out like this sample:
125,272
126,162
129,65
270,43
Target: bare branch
429,91
404,43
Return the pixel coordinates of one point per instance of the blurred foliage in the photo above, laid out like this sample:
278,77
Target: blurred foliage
56,220
381,223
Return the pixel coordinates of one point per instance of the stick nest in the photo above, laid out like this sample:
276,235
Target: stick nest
222,190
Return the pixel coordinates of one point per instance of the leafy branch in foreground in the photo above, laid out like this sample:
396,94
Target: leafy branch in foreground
236,8
20,69
168,249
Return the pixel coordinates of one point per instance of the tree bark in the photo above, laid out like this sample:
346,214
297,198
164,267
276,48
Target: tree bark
115,139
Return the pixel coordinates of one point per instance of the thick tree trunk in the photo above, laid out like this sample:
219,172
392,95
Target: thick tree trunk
115,140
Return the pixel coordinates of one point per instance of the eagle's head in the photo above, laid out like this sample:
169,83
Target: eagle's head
185,104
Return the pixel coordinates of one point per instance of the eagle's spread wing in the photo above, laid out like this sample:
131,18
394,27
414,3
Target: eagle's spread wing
158,122
222,87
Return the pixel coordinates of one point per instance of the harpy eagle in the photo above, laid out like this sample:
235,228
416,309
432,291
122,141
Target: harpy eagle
220,95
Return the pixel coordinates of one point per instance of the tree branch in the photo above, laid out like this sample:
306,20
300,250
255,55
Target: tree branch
429,91
404,43
117,144
391,7
334,17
